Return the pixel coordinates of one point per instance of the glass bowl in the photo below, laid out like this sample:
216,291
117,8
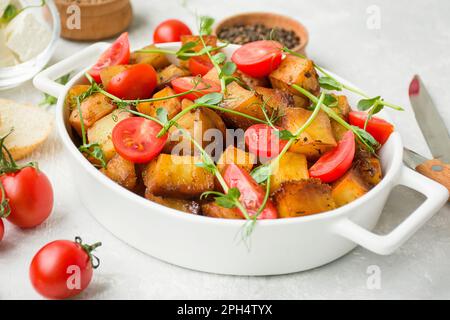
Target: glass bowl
18,74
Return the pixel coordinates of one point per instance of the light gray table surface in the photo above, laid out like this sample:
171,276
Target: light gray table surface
414,37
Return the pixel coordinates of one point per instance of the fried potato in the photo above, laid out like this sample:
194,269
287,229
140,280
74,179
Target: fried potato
172,106
301,198
316,139
170,73
252,82
295,70
292,167
237,156
348,188
70,102
281,100
342,108
106,74
368,167
187,206
93,108
121,171
213,210
177,177
156,60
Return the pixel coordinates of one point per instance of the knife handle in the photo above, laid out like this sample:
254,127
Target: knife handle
436,170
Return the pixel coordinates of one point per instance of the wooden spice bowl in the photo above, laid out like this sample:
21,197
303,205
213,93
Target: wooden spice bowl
99,19
270,20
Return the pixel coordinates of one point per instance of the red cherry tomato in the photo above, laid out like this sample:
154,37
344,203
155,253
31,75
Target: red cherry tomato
2,229
203,86
62,269
333,164
259,58
262,140
252,194
170,31
135,139
380,129
117,53
136,82
200,66
30,196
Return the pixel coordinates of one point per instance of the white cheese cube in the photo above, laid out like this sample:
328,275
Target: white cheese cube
26,36
7,58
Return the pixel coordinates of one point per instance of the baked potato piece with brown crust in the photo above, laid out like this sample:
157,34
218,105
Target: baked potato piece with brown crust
213,210
106,74
280,100
238,156
301,198
71,98
156,60
295,70
170,73
292,167
121,171
245,101
252,82
368,167
187,206
172,106
177,177
101,132
348,188
93,108
343,107
316,139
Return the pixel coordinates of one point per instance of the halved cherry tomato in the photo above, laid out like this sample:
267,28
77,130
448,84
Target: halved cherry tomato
135,139
117,53
380,129
262,140
203,86
30,196
62,269
333,164
200,66
170,31
259,58
252,194
2,229
136,82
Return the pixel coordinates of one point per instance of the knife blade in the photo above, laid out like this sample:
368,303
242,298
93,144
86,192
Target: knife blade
429,120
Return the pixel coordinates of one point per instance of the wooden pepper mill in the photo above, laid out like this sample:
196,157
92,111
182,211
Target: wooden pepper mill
91,20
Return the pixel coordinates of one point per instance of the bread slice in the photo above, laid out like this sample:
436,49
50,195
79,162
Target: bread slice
31,124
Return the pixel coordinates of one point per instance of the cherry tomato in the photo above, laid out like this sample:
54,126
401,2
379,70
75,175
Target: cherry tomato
259,58
117,53
333,164
2,229
200,66
262,140
170,31
203,86
380,129
252,194
30,196
135,139
62,269
136,82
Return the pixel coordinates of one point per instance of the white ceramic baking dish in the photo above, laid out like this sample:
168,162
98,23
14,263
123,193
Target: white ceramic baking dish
213,245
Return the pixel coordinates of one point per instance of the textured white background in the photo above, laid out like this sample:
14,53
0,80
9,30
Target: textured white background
414,38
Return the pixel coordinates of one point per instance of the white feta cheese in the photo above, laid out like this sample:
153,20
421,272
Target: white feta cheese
26,36
3,5
7,58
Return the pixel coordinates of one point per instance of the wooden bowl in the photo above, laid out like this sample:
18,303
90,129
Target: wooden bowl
270,20
99,19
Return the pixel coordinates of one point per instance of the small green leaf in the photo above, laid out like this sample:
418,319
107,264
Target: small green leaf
330,84
10,13
285,135
330,101
206,25
219,58
95,151
210,98
207,166
225,202
366,104
161,114
234,193
228,69
50,100
368,138
261,173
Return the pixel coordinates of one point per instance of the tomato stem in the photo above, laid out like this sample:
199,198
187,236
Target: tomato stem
5,209
95,261
7,164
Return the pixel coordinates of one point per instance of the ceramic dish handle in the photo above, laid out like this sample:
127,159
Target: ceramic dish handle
437,196
45,81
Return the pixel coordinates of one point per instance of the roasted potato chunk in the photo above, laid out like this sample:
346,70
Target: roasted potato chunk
101,132
172,106
348,188
238,156
156,60
295,70
121,171
209,41
71,98
301,198
93,108
170,73
316,139
292,167
338,130
187,206
177,177
106,74
280,100
245,101
342,107
252,82
213,210
368,168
